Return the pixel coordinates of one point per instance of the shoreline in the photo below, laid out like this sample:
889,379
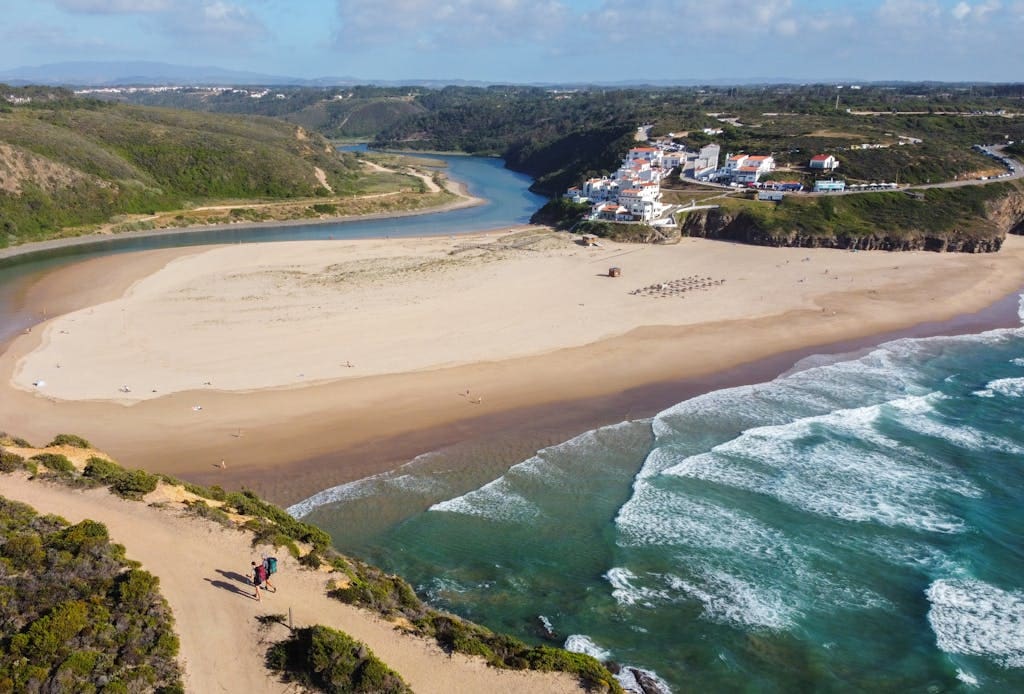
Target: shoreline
524,431
28,249
287,443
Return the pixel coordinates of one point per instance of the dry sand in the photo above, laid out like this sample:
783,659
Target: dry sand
202,569
260,336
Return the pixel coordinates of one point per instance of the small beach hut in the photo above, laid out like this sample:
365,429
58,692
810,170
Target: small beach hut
615,272
589,240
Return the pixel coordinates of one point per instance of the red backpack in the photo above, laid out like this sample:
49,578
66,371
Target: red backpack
261,574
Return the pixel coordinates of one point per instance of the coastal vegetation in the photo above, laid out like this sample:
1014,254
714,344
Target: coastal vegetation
326,660
76,615
354,582
563,135
969,218
71,165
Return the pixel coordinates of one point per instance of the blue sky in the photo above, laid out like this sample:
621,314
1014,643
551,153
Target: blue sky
533,40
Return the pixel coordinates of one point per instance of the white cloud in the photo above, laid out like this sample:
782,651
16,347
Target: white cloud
961,10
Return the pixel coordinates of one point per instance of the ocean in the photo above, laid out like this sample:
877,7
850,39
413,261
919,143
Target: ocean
855,524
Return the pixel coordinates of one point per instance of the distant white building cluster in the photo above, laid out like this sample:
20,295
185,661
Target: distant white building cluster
633,192
252,93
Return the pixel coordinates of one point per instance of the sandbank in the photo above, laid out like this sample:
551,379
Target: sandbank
276,357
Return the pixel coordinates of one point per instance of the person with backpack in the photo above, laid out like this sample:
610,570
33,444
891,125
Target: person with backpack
259,577
269,568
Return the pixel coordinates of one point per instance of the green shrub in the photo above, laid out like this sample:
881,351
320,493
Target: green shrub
325,208
9,462
102,470
204,510
76,615
134,484
70,440
327,660
55,461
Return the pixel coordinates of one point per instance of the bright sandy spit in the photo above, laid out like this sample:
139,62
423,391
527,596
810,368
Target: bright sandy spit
264,353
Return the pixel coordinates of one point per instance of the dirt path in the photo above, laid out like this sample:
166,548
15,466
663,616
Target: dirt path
202,569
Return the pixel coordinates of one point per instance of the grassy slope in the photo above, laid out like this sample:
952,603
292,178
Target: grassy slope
80,162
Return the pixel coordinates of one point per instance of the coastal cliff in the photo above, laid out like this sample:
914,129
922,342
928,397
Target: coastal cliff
958,221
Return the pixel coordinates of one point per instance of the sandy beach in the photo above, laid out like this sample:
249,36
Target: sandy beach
271,355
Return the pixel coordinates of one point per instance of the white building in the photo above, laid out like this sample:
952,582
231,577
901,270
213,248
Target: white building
709,156
652,155
746,168
824,162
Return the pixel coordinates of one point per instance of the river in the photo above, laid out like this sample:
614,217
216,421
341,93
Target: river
507,202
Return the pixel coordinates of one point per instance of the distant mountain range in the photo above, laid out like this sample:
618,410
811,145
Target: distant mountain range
114,73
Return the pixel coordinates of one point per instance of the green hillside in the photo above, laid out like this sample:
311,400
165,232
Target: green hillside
68,162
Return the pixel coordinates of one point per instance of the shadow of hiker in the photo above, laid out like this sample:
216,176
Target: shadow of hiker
235,577
230,587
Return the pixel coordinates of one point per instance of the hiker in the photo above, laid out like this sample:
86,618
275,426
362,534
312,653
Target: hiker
259,576
269,567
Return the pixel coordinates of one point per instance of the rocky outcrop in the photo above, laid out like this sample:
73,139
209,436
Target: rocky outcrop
744,228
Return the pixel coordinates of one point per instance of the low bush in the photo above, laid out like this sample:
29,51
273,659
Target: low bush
204,510
9,462
102,470
70,440
134,484
55,461
327,660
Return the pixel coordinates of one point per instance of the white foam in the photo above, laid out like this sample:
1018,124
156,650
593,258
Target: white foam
496,500
733,600
501,499
625,593
363,488
967,678
805,465
548,627
655,516
630,683
971,617
580,643
1008,387
959,435
1017,362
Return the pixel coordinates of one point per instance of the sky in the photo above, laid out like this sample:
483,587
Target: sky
534,40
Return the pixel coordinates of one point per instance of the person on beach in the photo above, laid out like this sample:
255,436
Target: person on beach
259,575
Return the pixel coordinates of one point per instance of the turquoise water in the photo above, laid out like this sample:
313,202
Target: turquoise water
508,202
854,525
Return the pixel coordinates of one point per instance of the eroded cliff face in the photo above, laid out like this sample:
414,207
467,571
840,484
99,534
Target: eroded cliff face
1008,213
1003,216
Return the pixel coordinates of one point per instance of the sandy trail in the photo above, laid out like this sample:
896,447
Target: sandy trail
202,568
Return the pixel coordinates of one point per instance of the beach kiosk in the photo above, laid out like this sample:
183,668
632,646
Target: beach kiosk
615,272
